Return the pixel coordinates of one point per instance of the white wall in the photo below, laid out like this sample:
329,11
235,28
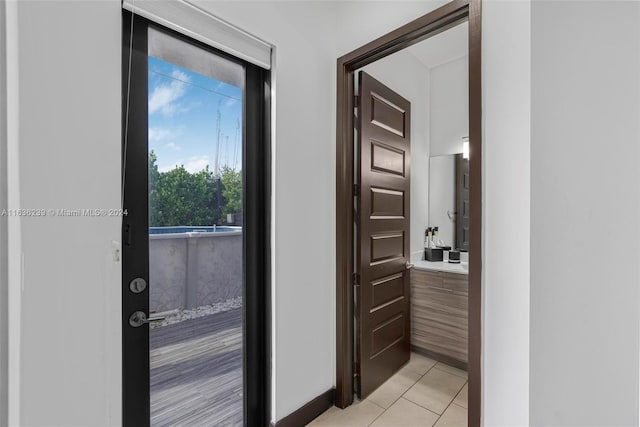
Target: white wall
449,106
585,181
359,22
4,277
404,74
505,212
13,243
67,114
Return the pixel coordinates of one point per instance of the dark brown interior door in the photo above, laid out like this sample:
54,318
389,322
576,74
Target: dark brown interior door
382,293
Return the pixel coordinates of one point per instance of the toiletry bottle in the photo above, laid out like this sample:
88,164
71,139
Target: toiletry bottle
429,232
439,242
435,236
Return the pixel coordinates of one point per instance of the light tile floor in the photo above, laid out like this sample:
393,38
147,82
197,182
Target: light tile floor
423,393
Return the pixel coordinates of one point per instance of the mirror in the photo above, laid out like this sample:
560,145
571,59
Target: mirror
449,199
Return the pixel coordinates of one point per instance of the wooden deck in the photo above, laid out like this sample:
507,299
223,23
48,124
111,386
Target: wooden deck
196,372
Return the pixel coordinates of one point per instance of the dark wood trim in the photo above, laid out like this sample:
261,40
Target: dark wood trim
426,26
420,29
309,412
344,233
448,360
475,213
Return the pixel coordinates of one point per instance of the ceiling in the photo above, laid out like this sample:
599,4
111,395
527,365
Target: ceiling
444,47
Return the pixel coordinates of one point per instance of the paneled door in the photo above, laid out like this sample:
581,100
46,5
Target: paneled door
382,285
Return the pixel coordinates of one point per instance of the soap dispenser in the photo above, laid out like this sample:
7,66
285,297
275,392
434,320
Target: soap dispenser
431,253
435,237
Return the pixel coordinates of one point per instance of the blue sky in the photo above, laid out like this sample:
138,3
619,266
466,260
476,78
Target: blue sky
183,111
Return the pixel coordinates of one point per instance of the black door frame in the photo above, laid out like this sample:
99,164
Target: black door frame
256,167
420,29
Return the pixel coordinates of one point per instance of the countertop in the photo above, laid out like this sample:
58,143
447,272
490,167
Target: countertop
442,266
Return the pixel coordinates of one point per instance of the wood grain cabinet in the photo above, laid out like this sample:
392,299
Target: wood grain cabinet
439,313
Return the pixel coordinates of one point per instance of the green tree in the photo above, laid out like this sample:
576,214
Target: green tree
178,197
154,177
231,190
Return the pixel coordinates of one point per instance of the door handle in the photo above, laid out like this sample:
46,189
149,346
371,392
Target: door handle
408,265
439,289
139,318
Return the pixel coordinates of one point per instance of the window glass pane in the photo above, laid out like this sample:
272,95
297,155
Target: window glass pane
195,237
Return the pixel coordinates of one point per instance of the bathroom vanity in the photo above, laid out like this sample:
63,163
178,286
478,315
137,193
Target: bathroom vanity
439,310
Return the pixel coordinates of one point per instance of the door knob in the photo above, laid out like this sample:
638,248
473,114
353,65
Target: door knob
139,318
408,265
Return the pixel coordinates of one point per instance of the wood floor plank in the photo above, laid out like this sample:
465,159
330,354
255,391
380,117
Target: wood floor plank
196,371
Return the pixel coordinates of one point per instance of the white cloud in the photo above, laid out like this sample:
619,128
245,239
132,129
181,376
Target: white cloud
230,102
173,146
165,96
158,134
196,164
167,168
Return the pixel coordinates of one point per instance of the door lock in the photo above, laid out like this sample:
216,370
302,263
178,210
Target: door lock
137,285
139,318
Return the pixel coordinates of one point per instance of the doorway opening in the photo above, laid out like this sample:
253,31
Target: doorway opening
349,292
196,190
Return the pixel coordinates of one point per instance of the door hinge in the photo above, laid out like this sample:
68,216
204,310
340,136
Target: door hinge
356,378
356,190
355,279
355,101
127,234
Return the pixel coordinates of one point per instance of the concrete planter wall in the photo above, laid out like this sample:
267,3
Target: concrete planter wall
188,270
